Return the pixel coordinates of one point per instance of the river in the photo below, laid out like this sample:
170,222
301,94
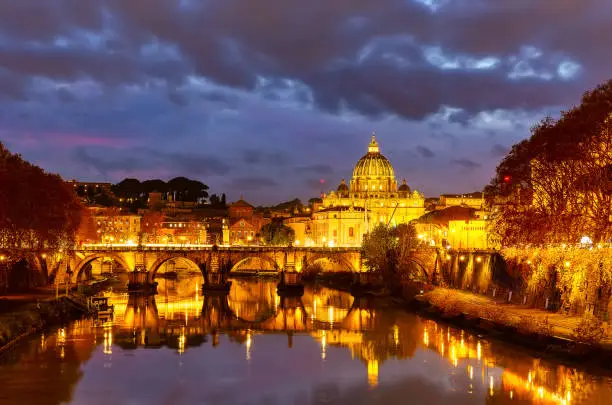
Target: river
253,347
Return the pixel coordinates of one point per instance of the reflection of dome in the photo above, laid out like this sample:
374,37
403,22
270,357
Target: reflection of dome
373,172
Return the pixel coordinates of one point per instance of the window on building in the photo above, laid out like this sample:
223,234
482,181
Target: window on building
335,233
351,232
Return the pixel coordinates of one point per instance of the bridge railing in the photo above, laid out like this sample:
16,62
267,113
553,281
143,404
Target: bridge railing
190,247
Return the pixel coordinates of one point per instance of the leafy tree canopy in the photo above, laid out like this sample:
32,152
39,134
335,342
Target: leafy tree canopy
555,186
276,233
37,209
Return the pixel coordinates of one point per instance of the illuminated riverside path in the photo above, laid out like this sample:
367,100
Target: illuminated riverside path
254,347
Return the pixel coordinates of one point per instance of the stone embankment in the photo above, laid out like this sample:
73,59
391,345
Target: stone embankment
568,338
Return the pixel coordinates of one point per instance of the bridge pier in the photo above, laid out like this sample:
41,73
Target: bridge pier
290,283
215,280
140,281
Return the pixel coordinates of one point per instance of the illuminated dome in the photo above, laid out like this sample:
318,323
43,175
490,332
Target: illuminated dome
404,187
373,172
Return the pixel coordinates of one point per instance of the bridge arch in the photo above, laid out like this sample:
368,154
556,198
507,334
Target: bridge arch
262,257
331,258
90,258
420,275
167,258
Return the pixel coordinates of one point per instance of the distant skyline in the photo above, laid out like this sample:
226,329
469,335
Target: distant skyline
266,98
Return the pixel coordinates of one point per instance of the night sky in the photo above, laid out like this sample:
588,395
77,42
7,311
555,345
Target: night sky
267,97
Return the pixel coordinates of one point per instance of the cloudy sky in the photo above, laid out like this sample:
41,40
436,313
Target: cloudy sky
265,98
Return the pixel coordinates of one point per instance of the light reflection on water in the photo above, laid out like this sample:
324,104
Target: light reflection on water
252,346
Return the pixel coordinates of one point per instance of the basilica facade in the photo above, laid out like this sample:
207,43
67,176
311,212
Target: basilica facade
372,197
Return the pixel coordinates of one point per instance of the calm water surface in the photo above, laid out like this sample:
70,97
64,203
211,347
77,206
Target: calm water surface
253,347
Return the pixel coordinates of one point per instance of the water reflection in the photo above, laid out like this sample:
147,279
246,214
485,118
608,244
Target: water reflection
253,346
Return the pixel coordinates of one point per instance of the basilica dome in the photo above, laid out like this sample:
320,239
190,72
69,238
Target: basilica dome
373,172
373,164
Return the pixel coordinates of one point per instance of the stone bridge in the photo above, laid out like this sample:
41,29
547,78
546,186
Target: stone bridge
62,267
218,259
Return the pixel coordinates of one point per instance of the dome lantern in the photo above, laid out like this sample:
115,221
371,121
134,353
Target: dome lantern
373,146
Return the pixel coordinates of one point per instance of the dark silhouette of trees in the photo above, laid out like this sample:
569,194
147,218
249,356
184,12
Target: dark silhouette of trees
184,189
37,209
133,194
556,186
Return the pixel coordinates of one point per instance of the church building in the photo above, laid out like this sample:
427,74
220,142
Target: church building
372,197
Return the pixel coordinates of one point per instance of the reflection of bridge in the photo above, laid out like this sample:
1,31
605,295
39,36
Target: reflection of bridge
333,318
203,315
213,259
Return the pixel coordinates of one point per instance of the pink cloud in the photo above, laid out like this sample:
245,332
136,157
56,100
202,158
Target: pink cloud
66,140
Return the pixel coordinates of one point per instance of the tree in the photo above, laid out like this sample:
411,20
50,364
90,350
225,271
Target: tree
276,233
87,231
387,250
127,188
38,210
214,199
555,186
150,225
149,186
184,189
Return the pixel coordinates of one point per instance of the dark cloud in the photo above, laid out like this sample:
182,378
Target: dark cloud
253,183
322,169
498,150
425,152
263,157
177,98
466,163
65,96
376,66
233,78
107,161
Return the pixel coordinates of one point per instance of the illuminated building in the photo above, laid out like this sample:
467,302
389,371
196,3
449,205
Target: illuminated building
472,200
373,195
470,234
302,228
244,223
118,228
177,231
337,226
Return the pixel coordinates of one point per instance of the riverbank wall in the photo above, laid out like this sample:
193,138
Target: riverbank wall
556,336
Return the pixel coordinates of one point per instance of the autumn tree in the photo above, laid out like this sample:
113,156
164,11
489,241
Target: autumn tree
151,225
556,186
38,210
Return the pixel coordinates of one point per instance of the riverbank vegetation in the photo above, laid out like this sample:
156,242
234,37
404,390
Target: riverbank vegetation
30,318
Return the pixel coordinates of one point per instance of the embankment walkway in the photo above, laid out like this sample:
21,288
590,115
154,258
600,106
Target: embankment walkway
474,305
